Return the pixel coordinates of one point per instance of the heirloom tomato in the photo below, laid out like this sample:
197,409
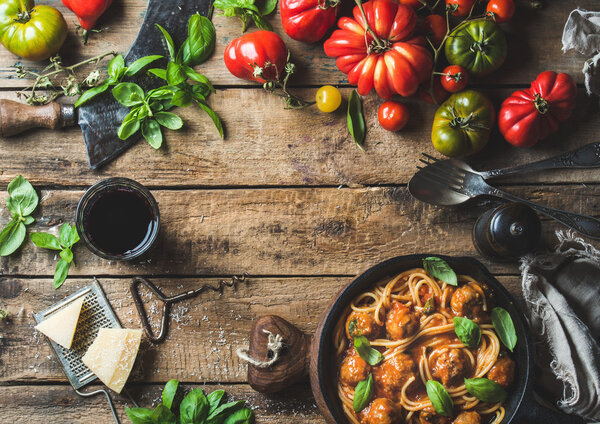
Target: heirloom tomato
455,78
479,46
87,11
462,124
412,3
257,56
530,115
32,32
460,8
393,116
393,62
434,27
500,10
308,20
328,98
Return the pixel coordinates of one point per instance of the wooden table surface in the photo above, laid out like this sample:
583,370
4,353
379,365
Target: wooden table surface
286,198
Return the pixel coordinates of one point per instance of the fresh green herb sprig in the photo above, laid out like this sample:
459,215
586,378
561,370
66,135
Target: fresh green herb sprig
505,327
439,268
440,399
21,202
248,11
195,408
67,237
356,120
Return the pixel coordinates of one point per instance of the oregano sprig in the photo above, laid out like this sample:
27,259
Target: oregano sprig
21,202
67,237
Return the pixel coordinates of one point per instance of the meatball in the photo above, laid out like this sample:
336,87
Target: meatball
354,370
380,411
428,416
364,324
503,371
467,302
451,366
467,417
402,321
393,374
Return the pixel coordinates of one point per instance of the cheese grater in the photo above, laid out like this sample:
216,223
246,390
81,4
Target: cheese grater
96,313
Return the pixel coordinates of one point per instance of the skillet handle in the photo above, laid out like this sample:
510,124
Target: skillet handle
531,412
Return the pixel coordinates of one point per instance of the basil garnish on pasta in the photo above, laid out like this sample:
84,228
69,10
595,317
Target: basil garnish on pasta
467,331
363,394
365,351
504,326
485,390
440,399
439,268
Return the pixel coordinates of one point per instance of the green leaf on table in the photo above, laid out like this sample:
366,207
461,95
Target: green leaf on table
214,399
67,255
175,74
140,415
11,237
93,92
169,392
45,240
168,41
169,120
152,133
116,66
64,235
160,73
140,64
194,407
467,331
504,326
128,128
200,43
60,273
439,268
23,198
243,416
439,397
485,390
215,118
128,94
198,77
366,352
29,220
356,120
266,7
182,98
363,394
260,21
163,415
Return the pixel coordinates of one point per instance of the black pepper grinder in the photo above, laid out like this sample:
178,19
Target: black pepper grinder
507,232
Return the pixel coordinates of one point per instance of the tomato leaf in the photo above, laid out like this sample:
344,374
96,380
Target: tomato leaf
485,390
366,352
356,120
504,326
363,394
439,268
467,331
439,397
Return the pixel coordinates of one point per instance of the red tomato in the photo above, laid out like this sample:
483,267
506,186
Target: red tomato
463,7
245,55
530,115
396,65
434,27
438,91
455,78
501,10
411,3
307,20
87,11
393,116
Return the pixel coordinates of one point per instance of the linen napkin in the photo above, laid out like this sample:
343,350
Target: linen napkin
562,291
582,33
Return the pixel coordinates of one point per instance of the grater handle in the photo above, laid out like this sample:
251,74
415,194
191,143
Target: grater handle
110,402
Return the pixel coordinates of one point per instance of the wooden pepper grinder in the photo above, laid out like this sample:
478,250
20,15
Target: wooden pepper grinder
507,232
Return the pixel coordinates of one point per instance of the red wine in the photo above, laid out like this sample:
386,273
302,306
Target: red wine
119,221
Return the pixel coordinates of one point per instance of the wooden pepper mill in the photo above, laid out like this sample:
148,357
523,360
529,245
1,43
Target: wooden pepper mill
507,232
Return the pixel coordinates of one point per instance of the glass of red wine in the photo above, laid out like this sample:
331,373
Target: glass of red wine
118,219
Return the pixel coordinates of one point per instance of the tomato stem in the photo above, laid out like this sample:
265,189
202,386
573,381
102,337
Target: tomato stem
291,100
541,104
368,29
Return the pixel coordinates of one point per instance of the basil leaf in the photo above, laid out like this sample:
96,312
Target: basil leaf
182,98
243,416
128,128
12,237
195,76
74,236
60,273
152,133
214,399
29,220
215,118
168,41
356,120
504,326
163,415
266,7
439,397
161,73
363,394
67,255
439,268
485,390
169,120
260,21
225,410
200,43
93,92
128,94
115,66
64,235
175,74
169,392
140,415
467,331
429,307
140,64
23,198
45,240
365,351
194,407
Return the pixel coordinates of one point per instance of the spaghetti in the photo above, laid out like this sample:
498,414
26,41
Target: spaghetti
409,320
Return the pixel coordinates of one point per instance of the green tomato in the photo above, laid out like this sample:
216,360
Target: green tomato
479,46
462,124
29,31
328,98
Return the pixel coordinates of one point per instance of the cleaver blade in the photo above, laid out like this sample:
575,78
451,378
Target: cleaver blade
100,119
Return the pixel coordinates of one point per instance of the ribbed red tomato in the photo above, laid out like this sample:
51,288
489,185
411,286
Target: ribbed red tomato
530,115
412,3
434,27
308,20
396,64
87,11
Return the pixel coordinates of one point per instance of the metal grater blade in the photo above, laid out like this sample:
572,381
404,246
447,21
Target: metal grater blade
96,313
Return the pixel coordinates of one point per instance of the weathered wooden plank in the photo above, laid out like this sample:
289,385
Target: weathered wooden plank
285,231
205,332
61,405
267,146
534,45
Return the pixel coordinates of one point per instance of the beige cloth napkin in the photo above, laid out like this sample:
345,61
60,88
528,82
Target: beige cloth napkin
562,291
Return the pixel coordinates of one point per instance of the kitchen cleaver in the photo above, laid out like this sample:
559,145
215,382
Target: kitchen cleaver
100,118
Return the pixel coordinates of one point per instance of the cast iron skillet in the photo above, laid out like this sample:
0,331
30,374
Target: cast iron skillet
520,406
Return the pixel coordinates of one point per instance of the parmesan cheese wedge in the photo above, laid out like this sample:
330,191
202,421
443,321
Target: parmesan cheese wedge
112,355
60,326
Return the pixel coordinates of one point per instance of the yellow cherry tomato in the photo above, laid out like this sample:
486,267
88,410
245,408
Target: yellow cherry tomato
328,98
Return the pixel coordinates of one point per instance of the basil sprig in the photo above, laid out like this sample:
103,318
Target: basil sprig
439,268
356,120
365,351
21,202
67,237
363,394
485,390
195,408
439,397
467,331
248,11
504,326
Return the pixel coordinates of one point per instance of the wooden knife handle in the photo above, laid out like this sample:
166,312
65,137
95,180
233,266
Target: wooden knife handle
17,117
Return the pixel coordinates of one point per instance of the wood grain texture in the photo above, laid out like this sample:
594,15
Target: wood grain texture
205,332
269,146
61,405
